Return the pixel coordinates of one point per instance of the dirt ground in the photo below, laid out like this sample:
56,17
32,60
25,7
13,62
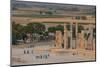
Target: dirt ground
49,54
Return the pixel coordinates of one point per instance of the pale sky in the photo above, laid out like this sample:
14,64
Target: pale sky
88,2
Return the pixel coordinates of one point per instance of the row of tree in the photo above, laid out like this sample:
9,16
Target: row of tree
39,28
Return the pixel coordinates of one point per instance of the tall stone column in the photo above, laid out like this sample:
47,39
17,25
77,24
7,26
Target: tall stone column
46,26
94,40
94,45
71,37
58,39
65,37
90,39
76,31
81,42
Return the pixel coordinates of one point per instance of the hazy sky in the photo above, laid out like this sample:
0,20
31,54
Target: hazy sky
90,2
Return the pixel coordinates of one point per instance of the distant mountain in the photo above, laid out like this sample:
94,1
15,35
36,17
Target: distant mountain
53,6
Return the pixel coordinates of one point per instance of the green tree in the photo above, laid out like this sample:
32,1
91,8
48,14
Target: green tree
49,13
17,30
41,12
60,27
80,28
52,29
35,28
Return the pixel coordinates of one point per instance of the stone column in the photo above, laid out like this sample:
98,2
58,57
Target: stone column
80,41
46,25
65,37
94,41
94,45
76,31
58,39
71,37
90,39
82,44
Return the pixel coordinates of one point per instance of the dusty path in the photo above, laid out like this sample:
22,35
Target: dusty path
23,20
21,58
